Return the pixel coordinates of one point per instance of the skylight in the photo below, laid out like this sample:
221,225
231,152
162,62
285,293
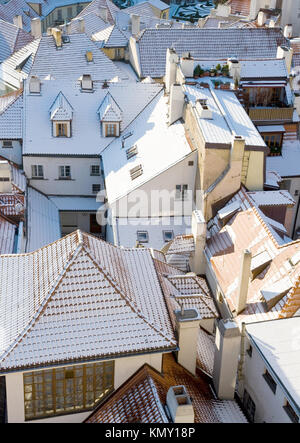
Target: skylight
136,172
131,152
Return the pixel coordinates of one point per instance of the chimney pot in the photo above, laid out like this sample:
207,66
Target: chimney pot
180,405
18,21
36,27
245,273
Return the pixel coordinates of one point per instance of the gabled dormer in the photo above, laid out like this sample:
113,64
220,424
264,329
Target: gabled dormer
110,115
61,115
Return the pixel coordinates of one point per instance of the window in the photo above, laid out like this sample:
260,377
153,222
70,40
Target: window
7,144
131,152
191,163
65,172
291,413
181,192
61,129
95,170
96,188
270,380
136,172
59,15
142,236
70,12
110,130
249,405
168,235
4,179
64,390
274,142
37,171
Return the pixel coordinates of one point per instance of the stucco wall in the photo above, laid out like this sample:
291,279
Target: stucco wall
124,368
81,183
13,154
269,406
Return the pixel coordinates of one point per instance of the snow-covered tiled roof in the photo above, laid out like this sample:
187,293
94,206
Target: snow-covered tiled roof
228,117
70,62
287,164
82,299
17,67
13,8
142,398
11,117
142,9
61,108
153,138
86,138
109,111
272,198
12,39
43,221
272,68
111,37
205,43
250,229
93,8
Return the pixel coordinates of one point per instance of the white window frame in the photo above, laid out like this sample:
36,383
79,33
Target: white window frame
181,192
145,240
63,173
37,171
96,184
93,174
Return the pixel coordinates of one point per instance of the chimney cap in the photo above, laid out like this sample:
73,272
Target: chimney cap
187,315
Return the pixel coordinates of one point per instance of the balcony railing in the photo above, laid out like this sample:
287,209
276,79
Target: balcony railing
271,114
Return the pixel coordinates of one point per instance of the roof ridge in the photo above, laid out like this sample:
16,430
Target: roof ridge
17,95
289,307
42,306
130,303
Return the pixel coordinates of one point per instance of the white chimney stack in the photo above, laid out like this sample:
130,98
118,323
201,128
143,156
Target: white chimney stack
197,260
176,103
18,21
81,23
36,27
135,24
287,54
34,85
187,325
103,13
87,82
261,18
171,68
234,69
288,31
227,350
180,405
244,277
187,65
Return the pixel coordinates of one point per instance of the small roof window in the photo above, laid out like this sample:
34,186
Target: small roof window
142,236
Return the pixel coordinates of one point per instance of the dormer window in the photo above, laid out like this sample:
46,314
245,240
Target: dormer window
61,115
110,115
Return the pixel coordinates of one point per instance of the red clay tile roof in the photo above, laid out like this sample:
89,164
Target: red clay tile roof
247,229
142,398
241,7
82,299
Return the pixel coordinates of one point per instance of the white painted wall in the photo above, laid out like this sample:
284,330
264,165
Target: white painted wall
269,406
81,183
13,154
178,174
124,368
